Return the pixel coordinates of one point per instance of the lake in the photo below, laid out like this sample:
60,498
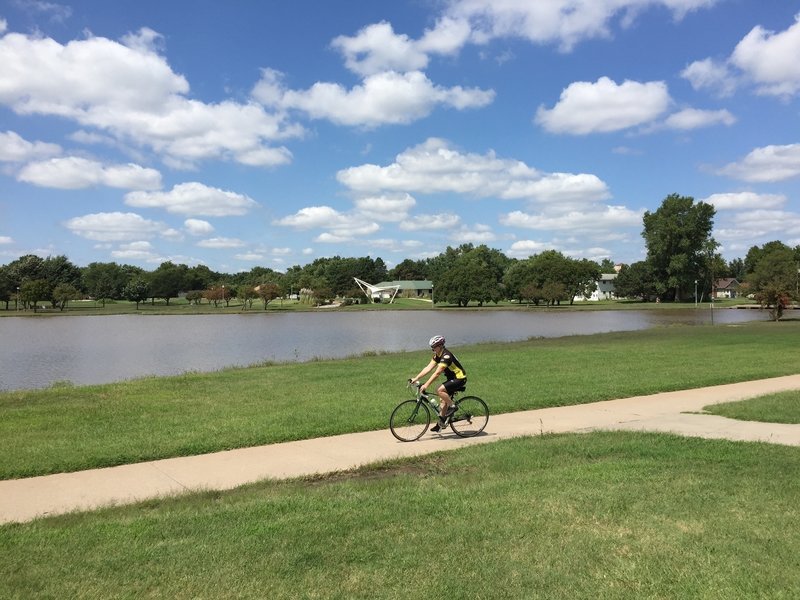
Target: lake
38,352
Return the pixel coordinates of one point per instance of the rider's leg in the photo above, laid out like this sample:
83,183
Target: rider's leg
446,401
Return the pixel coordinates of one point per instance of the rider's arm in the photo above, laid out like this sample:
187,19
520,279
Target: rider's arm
425,371
434,376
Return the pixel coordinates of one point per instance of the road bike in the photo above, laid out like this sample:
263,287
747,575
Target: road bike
411,418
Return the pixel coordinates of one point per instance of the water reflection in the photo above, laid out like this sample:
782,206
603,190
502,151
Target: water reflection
102,349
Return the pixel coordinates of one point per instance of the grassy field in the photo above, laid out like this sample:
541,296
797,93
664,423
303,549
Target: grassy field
72,428
783,407
179,306
602,515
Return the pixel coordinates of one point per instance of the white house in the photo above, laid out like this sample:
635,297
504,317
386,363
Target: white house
605,289
726,288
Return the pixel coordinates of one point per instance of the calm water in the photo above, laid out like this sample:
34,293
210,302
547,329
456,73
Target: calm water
101,349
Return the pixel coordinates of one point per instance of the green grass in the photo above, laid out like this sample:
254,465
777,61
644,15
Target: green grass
179,306
782,407
601,515
72,428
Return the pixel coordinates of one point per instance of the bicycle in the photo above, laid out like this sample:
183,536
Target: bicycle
411,418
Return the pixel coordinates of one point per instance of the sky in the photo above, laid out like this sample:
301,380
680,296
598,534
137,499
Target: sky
272,133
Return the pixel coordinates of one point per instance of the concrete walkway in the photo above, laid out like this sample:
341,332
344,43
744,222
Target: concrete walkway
26,499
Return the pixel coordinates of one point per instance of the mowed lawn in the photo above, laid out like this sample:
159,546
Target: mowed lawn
600,515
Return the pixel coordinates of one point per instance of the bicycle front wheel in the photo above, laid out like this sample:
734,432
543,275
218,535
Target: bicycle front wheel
470,417
410,420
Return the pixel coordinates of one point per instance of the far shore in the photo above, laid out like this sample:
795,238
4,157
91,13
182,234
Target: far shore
179,306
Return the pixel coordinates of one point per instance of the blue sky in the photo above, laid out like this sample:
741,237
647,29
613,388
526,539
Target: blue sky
250,133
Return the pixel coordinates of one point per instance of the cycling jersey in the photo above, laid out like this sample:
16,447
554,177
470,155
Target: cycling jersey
453,368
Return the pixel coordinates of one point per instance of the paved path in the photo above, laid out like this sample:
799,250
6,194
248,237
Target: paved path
26,499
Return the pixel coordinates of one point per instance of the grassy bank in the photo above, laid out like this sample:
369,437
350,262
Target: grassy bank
73,428
783,407
179,306
603,515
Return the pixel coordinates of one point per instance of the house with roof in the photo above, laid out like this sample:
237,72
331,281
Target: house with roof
605,289
726,288
387,291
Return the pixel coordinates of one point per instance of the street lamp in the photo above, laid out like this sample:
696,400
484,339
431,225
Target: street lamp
223,293
695,293
16,300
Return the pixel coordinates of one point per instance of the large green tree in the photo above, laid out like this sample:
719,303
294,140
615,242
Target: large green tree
677,236
638,281
104,281
167,281
774,279
467,274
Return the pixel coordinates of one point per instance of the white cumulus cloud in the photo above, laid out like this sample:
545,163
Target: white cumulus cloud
745,200
694,118
605,106
771,59
114,227
194,199
564,22
72,172
128,90
14,148
763,58
436,167
766,164
221,242
198,227
382,98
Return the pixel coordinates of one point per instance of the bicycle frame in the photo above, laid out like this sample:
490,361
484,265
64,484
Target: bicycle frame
427,397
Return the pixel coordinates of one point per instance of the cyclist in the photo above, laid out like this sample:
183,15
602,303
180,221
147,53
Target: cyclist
443,362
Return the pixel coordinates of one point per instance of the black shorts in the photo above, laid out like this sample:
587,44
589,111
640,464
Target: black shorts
455,385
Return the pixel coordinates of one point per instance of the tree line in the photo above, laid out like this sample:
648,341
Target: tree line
682,260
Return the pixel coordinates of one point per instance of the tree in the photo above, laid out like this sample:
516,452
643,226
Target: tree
25,267
32,291
532,293
408,270
607,266
517,278
199,277
7,287
774,279
137,290
104,280
167,281
676,235
59,271
63,293
246,293
638,281
268,292
553,292
468,273
552,267
581,279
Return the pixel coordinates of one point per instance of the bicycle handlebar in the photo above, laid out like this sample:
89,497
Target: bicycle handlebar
418,385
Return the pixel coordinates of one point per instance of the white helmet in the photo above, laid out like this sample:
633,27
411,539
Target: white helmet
436,340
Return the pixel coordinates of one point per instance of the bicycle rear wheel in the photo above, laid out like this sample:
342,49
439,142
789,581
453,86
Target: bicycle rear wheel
470,417
410,420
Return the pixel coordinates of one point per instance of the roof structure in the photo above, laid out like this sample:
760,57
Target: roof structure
371,291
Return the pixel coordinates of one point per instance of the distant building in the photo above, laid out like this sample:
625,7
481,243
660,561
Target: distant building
386,291
411,289
605,289
726,288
